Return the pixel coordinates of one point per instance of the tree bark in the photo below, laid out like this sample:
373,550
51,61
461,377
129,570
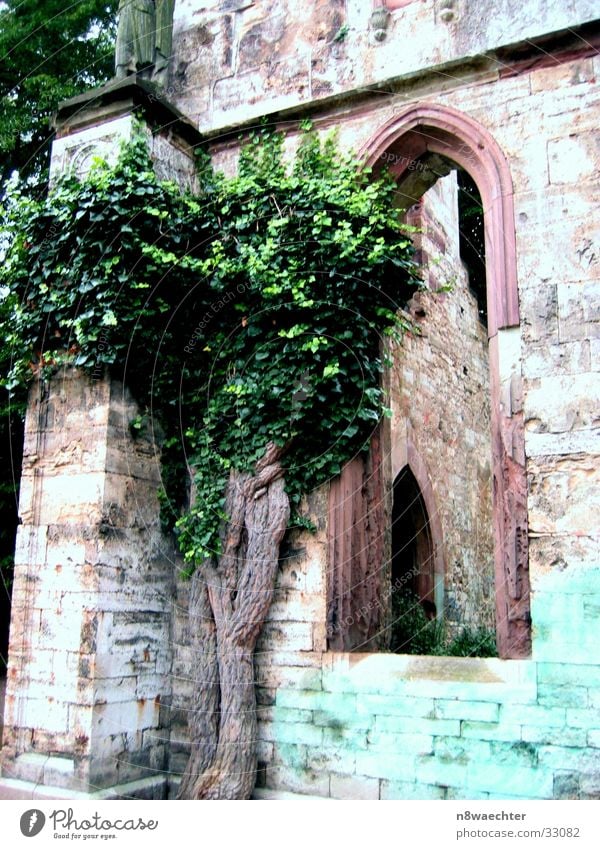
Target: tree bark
230,600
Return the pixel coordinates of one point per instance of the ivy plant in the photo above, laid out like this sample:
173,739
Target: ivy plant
248,313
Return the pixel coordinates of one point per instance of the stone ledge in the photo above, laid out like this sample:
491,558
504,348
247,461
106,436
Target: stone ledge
265,794
121,97
146,788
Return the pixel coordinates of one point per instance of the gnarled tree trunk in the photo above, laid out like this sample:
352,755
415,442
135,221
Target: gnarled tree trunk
229,603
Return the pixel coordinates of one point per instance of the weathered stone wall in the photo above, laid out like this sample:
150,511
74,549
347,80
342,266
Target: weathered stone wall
377,726
89,656
497,728
237,60
352,726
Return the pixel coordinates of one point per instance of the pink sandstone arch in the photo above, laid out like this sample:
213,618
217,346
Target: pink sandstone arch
430,128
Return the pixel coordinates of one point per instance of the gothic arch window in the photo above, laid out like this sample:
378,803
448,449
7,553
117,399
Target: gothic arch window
445,139
416,560
418,145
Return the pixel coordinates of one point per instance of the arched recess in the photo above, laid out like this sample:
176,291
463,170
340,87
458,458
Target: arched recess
431,586
426,130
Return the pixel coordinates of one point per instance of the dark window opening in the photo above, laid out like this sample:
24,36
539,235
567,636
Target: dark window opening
414,629
471,239
412,549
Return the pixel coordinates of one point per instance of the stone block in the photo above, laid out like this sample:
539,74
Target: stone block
291,755
315,700
301,780
573,159
288,636
247,91
563,757
76,152
409,791
282,714
152,686
565,565
575,737
563,493
332,757
392,706
298,607
579,645
66,498
566,785
544,360
419,744
337,734
458,709
562,674
406,725
270,659
462,793
60,772
559,403
549,695
570,442
27,767
402,676
461,750
575,73
353,787
579,310
390,765
539,306
297,732
590,785
125,717
583,718
516,753
264,751
491,731
43,713
528,783
300,677
343,718
538,715
431,769
319,636
538,259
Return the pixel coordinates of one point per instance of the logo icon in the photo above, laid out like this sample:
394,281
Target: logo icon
32,822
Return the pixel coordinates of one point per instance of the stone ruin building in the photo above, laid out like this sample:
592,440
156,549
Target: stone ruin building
487,469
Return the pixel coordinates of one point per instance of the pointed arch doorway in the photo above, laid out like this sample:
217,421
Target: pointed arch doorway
418,145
